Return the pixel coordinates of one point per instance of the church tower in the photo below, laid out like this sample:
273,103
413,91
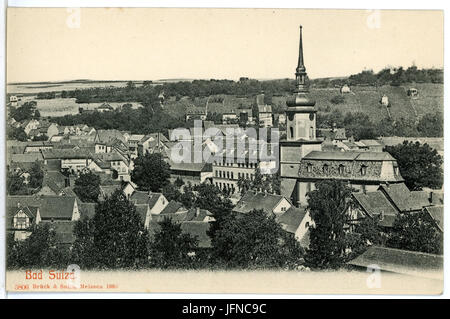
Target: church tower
300,130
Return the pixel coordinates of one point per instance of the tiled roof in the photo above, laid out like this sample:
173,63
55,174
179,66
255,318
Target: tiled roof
150,199
202,214
401,197
57,207
376,204
66,154
172,207
108,190
257,200
437,213
141,210
291,219
198,230
400,261
350,156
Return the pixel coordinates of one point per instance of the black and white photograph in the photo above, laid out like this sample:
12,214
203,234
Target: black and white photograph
224,150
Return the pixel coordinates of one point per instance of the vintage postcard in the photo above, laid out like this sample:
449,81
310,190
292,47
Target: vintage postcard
275,151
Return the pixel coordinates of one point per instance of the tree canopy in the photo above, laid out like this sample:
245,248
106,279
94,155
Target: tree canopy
151,172
419,164
87,187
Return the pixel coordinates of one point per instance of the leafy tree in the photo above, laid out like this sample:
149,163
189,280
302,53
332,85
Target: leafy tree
16,133
42,137
327,237
150,172
14,183
210,197
255,240
417,232
83,249
171,192
431,125
36,175
39,250
87,187
268,183
27,111
170,247
120,240
359,126
419,164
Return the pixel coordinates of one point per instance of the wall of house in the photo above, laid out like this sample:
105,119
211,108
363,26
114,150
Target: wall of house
75,164
161,203
282,207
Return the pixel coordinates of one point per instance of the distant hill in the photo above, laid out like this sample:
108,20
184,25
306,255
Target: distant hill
364,99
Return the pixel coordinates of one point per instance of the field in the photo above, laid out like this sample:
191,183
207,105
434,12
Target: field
362,99
61,107
35,88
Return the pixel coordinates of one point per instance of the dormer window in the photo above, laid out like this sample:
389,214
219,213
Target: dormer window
325,169
341,169
395,170
309,168
363,170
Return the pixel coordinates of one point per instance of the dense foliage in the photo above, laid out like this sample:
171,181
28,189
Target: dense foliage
419,164
87,187
151,172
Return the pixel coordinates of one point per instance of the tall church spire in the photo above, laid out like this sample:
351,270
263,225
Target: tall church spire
300,97
301,64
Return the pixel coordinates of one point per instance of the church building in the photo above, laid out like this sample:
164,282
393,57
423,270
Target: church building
302,161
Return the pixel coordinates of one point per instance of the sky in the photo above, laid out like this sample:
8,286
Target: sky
149,44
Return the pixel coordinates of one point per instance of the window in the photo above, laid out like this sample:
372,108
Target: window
341,169
309,168
325,169
283,209
363,170
246,175
291,131
21,220
395,170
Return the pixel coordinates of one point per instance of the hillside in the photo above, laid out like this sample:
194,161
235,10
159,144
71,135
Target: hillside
362,99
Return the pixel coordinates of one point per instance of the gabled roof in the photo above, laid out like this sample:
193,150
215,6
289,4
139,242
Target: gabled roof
402,198
66,154
140,197
376,204
291,219
106,136
400,261
108,190
198,230
141,210
11,211
55,180
257,200
56,207
172,207
437,213
202,214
